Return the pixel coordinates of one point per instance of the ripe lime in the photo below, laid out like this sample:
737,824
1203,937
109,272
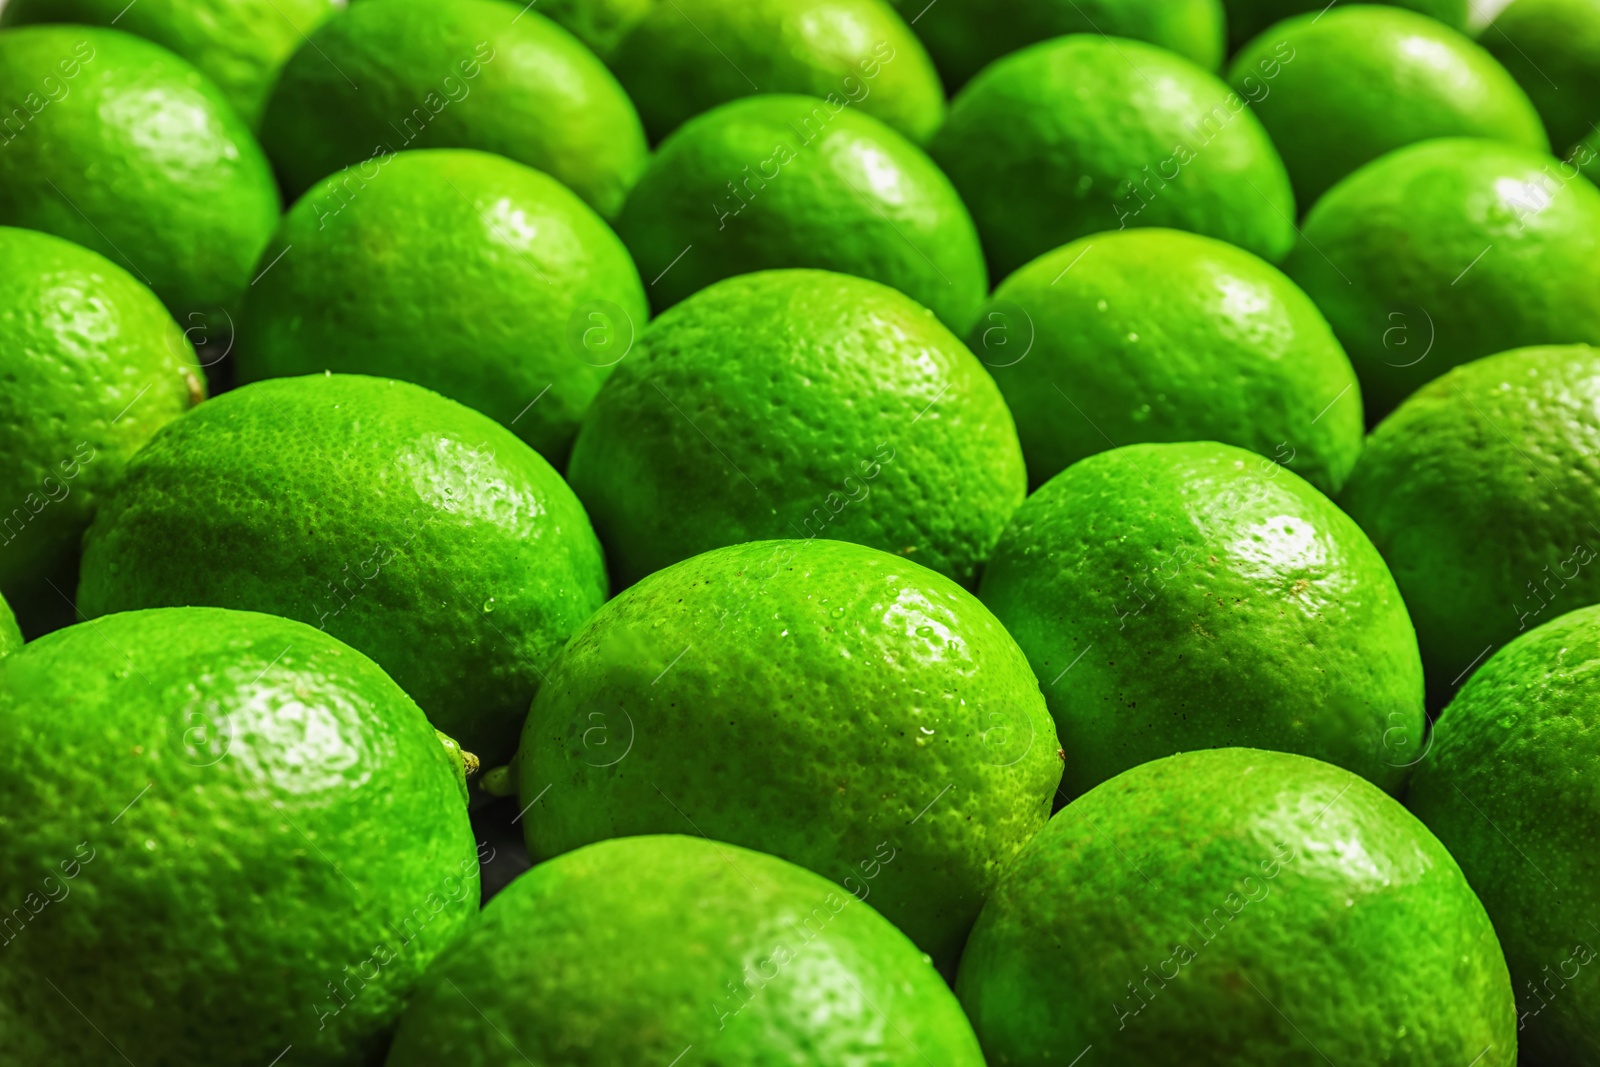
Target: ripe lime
798,404
118,145
687,57
793,181
1552,48
1246,18
1159,335
1085,133
239,44
817,700
966,35
1510,790
600,24
485,74
1181,596
1337,89
1237,906
1449,250
93,365
461,271
1481,492
416,530
225,833
650,946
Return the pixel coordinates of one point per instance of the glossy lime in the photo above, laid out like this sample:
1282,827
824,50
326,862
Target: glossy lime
1160,335
818,700
1088,133
227,812
792,181
798,404
1552,48
650,946
1237,906
416,530
1246,18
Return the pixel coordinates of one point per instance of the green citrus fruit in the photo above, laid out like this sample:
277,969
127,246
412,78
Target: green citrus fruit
600,24
461,271
966,35
793,181
1181,596
226,833
798,404
118,145
485,74
813,699
1552,48
1237,906
1510,790
1449,250
1337,89
651,948
1246,18
92,365
1160,335
417,531
10,634
238,44
1481,492
1086,133
687,57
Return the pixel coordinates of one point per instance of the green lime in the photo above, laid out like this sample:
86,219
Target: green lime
1086,133
485,74
238,44
1509,788
1246,18
226,833
93,365
1237,906
966,35
1552,48
640,950
798,404
793,181
817,700
10,634
416,530
686,57
118,145
461,271
1160,335
1481,492
1337,89
1449,250
1181,596
600,24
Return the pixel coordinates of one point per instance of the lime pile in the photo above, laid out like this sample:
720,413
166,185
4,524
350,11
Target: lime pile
907,533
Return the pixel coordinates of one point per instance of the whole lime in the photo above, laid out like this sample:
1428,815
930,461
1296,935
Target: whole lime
239,44
687,57
93,365
1181,596
1552,48
1481,492
966,35
798,404
1509,789
118,145
416,530
600,24
1449,250
485,74
1246,18
650,946
1160,335
793,181
225,813
1087,133
1237,906
458,270
818,700
1359,81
